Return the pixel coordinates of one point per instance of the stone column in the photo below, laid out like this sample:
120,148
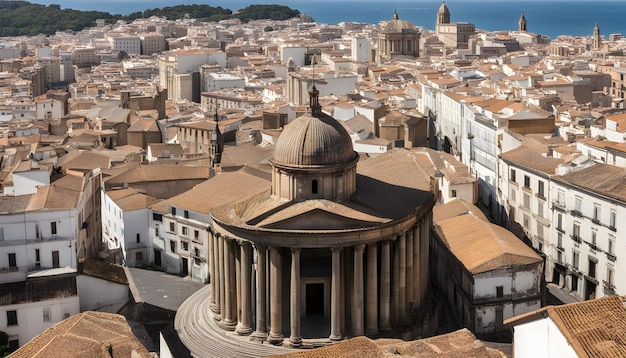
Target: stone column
395,282
222,286
385,285
261,320
402,279
216,279
416,266
245,327
211,262
276,293
409,268
229,320
371,316
237,254
357,294
295,338
335,298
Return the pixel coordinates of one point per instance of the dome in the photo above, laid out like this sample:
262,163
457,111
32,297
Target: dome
443,9
313,141
398,26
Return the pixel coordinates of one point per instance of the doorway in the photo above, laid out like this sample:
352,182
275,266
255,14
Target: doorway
185,270
55,259
315,299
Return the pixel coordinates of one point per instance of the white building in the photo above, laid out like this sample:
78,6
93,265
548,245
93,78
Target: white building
125,226
593,328
217,81
483,271
129,44
361,49
294,53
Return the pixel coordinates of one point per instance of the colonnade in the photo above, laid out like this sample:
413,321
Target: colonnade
378,282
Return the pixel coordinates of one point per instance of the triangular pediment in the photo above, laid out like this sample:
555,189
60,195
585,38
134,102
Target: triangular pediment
317,219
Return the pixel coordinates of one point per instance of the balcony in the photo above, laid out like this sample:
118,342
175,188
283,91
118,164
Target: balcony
9,269
557,205
611,257
576,238
576,213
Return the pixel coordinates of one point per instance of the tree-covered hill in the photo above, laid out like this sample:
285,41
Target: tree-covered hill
24,18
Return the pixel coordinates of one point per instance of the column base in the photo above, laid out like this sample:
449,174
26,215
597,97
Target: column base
385,328
276,339
295,341
335,338
243,330
258,336
228,325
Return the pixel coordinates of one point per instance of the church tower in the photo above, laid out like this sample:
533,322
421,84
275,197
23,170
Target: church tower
522,25
443,15
597,40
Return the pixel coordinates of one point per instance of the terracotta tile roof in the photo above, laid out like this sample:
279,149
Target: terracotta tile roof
603,179
533,159
594,328
103,270
481,246
89,334
129,199
457,207
461,343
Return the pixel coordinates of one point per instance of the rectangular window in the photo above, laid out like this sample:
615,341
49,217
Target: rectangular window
185,245
173,210
53,228
157,217
592,268
576,230
156,229
499,291
173,246
12,318
559,240
46,314
575,259
574,283
186,214
138,257
541,188
526,181
512,175
594,235
454,193
609,275
559,222
612,219
578,204
526,201
611,245
184,230
540,208
539,230
526,221
138,238
561,197
172,227
512,195
196,234
12,260
596,213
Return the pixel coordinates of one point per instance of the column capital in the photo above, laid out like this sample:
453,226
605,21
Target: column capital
259,246
359,247
336,248
295,249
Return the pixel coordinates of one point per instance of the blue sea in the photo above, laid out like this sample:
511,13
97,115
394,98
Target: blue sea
550,17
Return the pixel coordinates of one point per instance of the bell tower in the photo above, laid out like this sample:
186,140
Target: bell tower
522,25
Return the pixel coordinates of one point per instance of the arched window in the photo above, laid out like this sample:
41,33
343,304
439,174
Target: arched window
314,186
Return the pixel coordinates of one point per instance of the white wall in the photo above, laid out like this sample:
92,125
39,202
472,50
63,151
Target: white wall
30,317
27,182
96,293
540,338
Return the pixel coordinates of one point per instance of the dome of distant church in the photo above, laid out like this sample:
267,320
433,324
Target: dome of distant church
398,26
313,141
443,9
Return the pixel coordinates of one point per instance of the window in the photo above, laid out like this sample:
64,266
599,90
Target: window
574,283
559,222
499,291
561,197
594,235
53,228
157,217
575,259
539,230
541,188
559,240
592,268
173,210
184,230
611,245
578,204
512,175
172,227
156,229
454,193
526,181
12,260
612,219
46,314
596,213
37,258
512,195
314,186
14,344
610,273
196,234
526,221
526,201
540,208
138,257
186,213
138,238
576,230
185,245
12,318
173,246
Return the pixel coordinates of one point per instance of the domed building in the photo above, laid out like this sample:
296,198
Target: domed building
398,38
328,245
